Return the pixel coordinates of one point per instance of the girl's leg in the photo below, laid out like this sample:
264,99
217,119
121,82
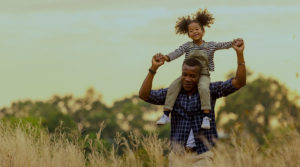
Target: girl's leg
203,88
172,94
171,97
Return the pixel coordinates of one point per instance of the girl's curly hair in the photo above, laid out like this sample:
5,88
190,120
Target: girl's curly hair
182,23
203,17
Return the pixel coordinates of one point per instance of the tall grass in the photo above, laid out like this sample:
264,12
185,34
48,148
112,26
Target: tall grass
27,146
282,151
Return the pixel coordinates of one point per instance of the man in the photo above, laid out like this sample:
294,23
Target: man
186,134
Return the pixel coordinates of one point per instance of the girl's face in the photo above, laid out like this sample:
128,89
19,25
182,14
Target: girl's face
195,31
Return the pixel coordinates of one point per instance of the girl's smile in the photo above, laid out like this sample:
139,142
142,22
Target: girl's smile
195,31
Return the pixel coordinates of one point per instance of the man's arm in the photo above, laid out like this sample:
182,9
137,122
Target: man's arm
240,77
222,89
157,61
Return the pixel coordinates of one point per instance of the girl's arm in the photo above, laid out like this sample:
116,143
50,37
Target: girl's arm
223,45
177,52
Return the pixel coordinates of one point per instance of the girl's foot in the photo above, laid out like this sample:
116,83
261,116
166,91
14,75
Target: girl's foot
163,120
205,123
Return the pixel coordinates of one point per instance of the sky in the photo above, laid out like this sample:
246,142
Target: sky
60,47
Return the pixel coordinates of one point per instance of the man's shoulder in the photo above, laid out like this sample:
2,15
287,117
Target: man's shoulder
157,96
221,83
159,92
216,83
222,88
160,89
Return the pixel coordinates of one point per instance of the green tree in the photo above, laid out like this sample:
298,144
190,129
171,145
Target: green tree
258,108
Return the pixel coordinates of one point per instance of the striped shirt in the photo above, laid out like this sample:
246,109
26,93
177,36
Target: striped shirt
210,50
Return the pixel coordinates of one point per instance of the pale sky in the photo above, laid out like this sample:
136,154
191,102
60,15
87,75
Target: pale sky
63,47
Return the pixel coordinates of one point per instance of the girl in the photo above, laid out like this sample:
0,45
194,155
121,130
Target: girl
193,26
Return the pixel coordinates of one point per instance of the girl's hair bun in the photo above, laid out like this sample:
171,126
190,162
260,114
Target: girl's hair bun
182,23
204,18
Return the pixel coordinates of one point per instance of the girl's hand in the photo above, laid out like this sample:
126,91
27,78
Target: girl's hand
167,58
237,42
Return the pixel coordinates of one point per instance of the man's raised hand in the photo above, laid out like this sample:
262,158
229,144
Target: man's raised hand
157,61
238,45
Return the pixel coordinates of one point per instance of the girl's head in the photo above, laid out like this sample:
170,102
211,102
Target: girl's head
194,26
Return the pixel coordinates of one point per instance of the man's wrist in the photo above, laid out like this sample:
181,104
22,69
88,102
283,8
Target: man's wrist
240,54
154,68
241,63
152,71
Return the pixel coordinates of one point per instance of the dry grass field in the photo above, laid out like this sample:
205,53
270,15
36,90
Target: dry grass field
27,146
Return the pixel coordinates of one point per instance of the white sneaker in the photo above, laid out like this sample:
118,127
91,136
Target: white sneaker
163,120
205,123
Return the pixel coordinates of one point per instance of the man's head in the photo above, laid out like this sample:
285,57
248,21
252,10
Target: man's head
191,69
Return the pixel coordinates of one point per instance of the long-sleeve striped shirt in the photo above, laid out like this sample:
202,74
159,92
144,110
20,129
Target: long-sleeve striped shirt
210,49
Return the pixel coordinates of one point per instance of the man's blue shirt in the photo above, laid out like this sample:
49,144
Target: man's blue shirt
187,114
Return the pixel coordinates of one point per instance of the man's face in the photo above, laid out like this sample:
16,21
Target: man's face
190,77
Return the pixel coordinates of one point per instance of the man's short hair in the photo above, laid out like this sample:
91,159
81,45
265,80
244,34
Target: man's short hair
192,62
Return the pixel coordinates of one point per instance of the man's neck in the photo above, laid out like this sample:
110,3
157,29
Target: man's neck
191,92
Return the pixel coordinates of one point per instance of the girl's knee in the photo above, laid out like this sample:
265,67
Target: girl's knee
203,87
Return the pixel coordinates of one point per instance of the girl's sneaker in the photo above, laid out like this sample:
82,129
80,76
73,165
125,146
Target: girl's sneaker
163,120
205,123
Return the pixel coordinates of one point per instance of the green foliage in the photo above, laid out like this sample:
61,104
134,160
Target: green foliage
87,114
34,121
259,107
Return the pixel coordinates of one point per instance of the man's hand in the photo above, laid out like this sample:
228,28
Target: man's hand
157,61
238,45
237,41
